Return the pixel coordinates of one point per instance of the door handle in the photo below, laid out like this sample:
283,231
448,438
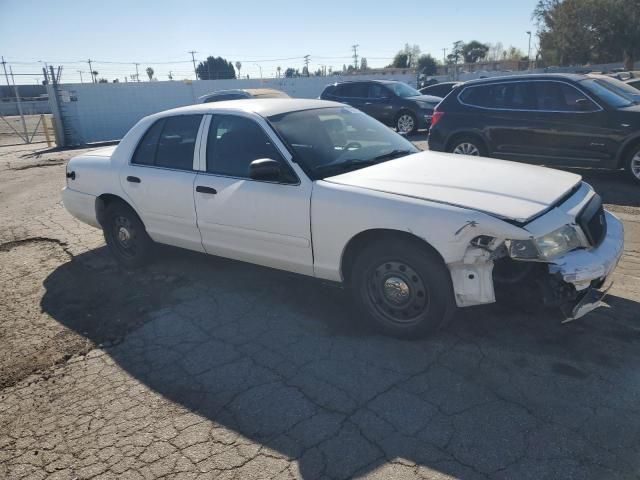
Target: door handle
201,189
133,179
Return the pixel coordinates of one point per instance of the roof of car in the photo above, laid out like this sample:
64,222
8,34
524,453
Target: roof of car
575,77
265,107
363,81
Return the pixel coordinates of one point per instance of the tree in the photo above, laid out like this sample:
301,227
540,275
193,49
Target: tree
588,31
150,73
278,69
513,53
401,60
364,65
474,51
495,53
215,68
427,65
456,52
238,67
407,57
103,80
289,73
115,80
95,75
170,75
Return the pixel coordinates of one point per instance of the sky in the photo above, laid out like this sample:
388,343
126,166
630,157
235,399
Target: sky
262,35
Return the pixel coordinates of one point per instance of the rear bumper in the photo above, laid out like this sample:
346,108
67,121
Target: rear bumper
80,205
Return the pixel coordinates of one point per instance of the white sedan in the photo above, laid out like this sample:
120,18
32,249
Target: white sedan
321,189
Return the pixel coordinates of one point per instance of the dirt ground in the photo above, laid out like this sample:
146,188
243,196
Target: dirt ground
200,367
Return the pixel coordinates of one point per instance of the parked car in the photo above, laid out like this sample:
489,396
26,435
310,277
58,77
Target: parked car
321,189
242,93
561,119
439,89
634,82
395,104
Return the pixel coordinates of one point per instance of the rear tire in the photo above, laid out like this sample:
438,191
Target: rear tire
404,290
406,123
468,145
126,236
633,163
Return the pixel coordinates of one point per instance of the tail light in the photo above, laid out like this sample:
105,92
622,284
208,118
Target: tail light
437,116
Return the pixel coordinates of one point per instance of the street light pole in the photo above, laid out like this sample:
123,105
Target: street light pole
529,53
260,70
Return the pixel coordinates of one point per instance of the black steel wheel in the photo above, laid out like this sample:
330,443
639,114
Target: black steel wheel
403,287
126,236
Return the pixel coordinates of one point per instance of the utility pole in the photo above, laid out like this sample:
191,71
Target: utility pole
306,63
529,54
4,66
193,59
80,72
19,103
260,70
355,56
91,71
137,74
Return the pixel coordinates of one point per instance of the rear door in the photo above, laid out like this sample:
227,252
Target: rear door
378,103
355,94
504,113
159,178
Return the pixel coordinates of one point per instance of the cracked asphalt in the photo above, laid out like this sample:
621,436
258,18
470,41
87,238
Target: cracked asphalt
200,367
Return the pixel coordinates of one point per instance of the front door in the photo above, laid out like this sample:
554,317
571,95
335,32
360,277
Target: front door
571,128
263,222
159,181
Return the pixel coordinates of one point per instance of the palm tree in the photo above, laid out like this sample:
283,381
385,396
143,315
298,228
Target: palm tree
238,66
278,69
150,73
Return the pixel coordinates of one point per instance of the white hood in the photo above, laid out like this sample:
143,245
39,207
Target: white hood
505,189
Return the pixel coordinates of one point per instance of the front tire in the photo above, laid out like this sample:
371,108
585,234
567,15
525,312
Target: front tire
468,145
404,290
406,123
126,236
633,163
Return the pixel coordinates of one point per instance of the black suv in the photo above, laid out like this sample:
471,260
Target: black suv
393,103
569,120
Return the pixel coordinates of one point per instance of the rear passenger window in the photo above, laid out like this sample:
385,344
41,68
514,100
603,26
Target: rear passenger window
561,97
169,143
146,151
351,90
507,96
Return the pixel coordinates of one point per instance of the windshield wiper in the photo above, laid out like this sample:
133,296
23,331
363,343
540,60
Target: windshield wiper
345,165
392,154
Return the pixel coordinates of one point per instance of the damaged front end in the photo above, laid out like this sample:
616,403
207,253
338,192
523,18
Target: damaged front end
568,268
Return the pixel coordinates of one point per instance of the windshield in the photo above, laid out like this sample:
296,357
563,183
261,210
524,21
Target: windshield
403,90
610,92
330,141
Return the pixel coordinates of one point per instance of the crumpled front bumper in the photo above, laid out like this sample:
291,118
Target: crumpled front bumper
588,270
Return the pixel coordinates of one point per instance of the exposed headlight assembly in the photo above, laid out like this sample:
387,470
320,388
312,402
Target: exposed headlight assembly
546,247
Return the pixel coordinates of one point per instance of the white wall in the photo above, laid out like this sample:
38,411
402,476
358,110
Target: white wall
106,111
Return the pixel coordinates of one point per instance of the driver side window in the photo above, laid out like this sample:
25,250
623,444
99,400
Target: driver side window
234,142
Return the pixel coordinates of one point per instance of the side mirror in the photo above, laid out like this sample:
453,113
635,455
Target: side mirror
265,169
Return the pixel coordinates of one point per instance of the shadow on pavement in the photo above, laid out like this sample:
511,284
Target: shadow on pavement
282,360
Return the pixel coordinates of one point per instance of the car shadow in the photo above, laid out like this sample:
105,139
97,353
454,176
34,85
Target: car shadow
285,361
